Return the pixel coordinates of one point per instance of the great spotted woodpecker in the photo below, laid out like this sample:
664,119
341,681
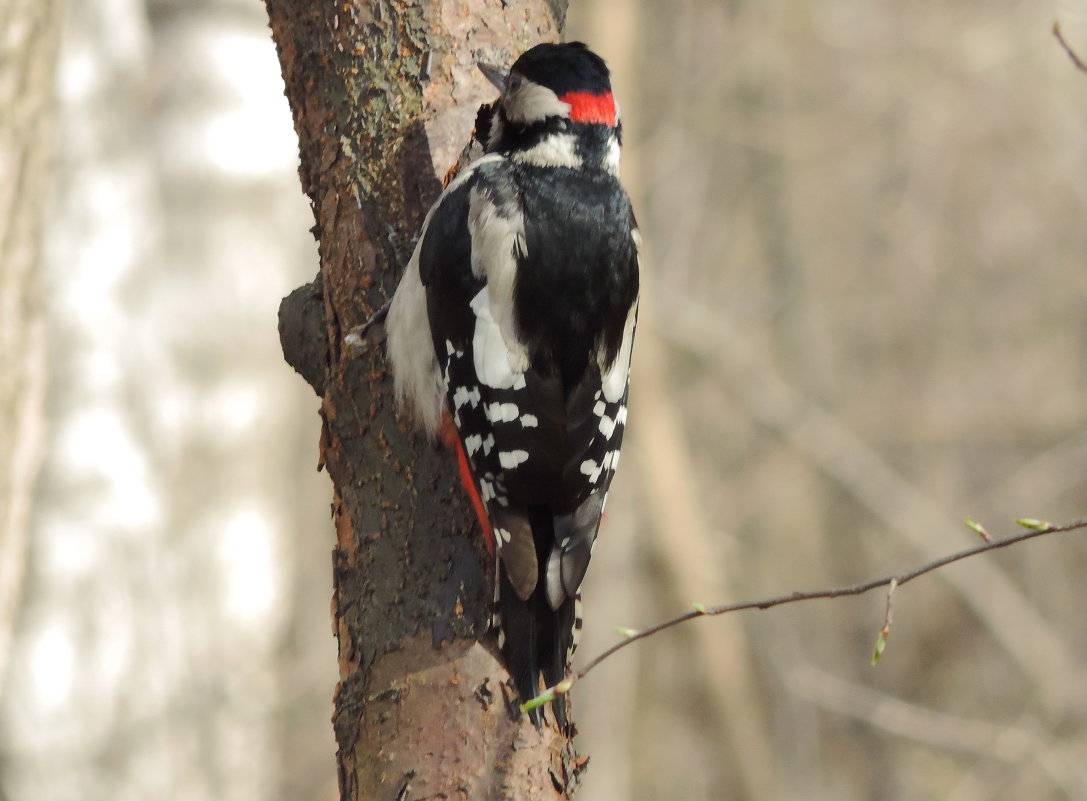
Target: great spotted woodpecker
510,336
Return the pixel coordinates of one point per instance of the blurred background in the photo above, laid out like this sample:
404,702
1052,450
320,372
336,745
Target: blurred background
864,320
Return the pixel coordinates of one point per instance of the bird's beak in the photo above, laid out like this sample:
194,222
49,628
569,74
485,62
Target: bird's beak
496,75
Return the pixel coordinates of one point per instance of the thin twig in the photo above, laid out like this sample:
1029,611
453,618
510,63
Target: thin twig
914,515
839,592
1068,48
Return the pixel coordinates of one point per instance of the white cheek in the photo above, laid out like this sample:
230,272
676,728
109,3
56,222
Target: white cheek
531,103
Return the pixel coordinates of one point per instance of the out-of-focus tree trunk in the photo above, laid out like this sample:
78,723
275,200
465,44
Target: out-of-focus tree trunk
27,60
384,96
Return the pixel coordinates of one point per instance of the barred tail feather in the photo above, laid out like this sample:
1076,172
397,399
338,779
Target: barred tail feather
557,634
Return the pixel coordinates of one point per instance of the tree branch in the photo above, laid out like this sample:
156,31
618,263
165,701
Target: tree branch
1036,529
913,515
1068,48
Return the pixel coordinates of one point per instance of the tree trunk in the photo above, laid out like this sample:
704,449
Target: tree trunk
384,96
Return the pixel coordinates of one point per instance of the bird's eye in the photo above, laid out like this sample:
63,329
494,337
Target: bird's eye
514,82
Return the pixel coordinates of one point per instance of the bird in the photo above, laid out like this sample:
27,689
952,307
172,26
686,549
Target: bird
510,334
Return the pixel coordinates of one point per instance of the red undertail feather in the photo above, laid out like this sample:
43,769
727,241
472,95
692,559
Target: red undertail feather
589,108
448,434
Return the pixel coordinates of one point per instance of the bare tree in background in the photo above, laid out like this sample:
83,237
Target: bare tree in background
28,57
384,97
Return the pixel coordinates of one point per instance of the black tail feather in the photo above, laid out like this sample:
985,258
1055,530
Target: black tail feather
536,639
518,640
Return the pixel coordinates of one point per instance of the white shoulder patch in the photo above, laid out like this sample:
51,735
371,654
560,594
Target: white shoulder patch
498,240
498,237
499,363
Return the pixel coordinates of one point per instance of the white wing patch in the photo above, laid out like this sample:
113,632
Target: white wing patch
473,443
510,459
606,425
498,236
499,363
614,380
502,412
463,395
498,241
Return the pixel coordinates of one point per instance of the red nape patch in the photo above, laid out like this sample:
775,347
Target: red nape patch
448,434
589,108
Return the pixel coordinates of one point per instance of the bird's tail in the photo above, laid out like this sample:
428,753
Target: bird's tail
534,638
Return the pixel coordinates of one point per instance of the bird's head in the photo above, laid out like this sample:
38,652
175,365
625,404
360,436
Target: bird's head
549,87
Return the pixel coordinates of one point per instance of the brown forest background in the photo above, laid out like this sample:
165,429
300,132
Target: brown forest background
867,234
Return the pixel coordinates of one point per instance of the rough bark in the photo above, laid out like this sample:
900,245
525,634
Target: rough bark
384,95
31,31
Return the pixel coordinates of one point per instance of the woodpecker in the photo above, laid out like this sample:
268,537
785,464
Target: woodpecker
509,337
